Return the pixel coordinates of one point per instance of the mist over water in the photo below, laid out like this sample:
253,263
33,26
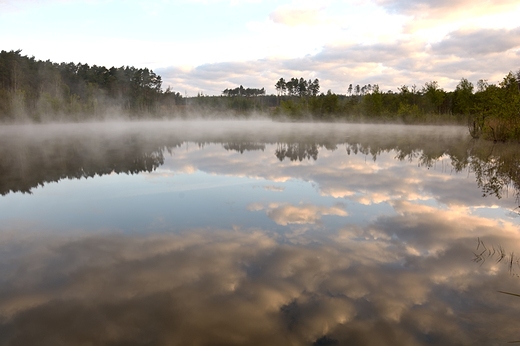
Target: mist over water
254,232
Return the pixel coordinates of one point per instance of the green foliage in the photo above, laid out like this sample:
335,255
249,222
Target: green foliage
374,102
463,98
321,107
496,113
492,112
33,89
330,103
292,108
5,103
434,96
408,111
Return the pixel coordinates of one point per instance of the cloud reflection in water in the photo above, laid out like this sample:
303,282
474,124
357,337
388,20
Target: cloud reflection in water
346,246
400,280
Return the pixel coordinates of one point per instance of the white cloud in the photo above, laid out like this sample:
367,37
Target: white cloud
296,15
478,42
284,214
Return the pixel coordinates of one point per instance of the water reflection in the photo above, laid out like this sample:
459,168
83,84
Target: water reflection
360,286
31,157
293,235
297,151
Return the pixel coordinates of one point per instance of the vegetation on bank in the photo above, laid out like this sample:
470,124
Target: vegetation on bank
491,111
35,90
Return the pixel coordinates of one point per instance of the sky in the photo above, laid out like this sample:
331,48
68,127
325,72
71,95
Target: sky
206,46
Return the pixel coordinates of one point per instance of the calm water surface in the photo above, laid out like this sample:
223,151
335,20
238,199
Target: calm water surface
232,233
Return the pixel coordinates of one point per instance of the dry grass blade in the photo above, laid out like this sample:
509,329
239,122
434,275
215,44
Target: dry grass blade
479,257
498,253
511,294
502,254
480,243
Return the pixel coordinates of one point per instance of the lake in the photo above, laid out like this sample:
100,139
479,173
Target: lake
257,233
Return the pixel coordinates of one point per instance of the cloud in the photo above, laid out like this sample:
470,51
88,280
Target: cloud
435,20
212,79
362,53
255,206
390,65
285,214
301,214
472,43
274,188
293,15
445,10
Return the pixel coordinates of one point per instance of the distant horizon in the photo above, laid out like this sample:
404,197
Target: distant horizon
207,46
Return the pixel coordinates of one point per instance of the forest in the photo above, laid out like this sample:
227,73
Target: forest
38,91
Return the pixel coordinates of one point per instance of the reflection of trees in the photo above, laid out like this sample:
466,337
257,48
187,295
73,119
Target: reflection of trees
244,146
497,168
26,163
496,165
297,151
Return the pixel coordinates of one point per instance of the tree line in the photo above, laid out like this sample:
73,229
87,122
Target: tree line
297,87
491,111
36,90
241,91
